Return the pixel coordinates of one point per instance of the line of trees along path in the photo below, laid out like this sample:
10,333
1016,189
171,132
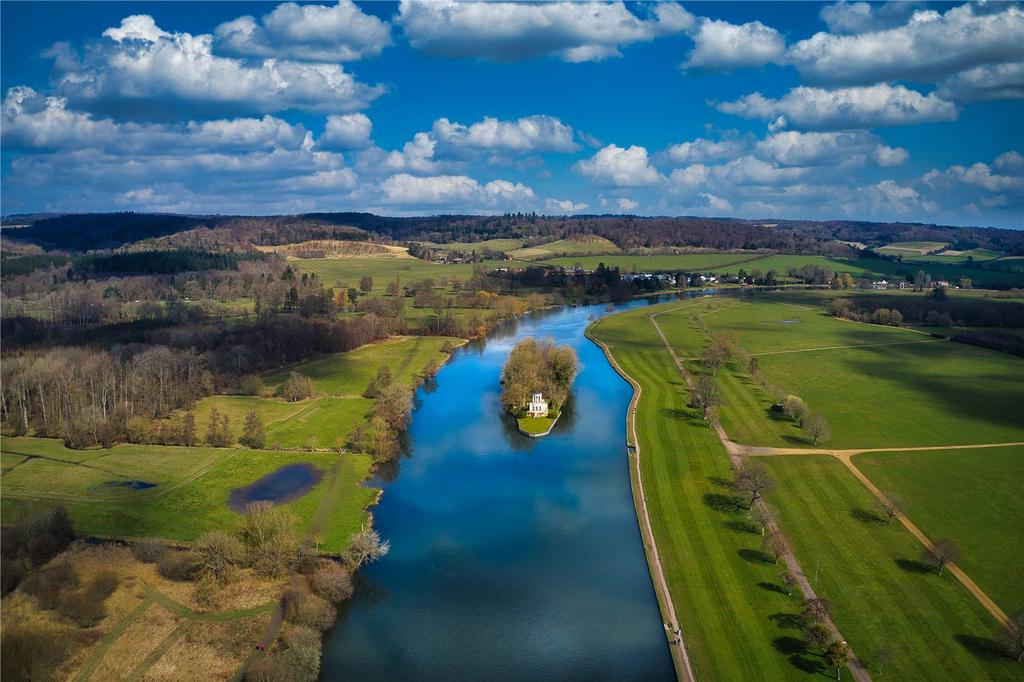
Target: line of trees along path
785,553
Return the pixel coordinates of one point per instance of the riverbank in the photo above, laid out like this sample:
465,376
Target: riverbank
680,658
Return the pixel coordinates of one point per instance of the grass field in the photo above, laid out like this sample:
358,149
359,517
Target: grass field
348,271
535,424
503,245
956,257
733,615
903,248
191,491
900,389
882,596
348,374
970,496
566,247
686,262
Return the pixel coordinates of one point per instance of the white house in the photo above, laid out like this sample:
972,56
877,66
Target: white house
538,407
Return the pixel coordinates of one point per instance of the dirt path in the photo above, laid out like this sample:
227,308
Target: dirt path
846,457
736,454
684,671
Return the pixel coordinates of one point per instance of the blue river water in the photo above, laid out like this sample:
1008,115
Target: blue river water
511,558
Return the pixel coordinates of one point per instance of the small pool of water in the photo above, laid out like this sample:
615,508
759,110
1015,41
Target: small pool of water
288,483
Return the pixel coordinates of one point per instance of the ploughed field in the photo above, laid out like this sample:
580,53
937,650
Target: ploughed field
879,387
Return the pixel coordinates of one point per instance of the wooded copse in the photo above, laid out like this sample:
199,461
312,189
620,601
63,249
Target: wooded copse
537,366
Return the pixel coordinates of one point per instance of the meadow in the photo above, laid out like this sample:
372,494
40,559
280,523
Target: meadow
686,262
190,487
899,388
566,247
731,621
982,512
334,272
883,597
902,248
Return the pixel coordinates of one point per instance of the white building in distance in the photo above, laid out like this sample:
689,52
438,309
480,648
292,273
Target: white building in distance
538,407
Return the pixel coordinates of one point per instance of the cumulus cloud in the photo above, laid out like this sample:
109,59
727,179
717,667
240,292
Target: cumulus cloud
703,149
626,204
563,206
348,131
843,108
529,134
619,167
320,33
143,71
928,47
989,82
510,31
861,17
454,190
721,46
792,148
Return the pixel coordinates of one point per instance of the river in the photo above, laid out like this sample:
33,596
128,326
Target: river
511,558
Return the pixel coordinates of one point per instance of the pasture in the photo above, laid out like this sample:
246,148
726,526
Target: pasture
190,487
583,246
502,245
970,496
903,248
732,622
335,272
883,597
890,387
686,262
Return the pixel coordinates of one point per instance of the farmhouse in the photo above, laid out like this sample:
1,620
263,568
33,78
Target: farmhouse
538,407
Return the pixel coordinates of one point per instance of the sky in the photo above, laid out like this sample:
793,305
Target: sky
905,111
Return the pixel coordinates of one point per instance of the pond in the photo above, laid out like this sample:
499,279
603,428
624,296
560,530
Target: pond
288,483
512,558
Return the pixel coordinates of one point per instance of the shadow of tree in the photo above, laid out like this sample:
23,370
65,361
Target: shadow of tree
722,482
914,566
723,503
755,556
867,515
984,648
772,587
739,526
796,650
787,621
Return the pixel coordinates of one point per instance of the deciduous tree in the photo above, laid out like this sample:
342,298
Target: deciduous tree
818,428
892,505
755,481
941,553
837,655
253,434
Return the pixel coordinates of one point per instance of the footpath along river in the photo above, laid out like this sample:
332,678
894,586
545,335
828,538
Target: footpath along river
511,558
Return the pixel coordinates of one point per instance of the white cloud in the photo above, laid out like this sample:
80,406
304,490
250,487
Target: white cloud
145,72
858,107
626,204
453,190
721,46
416,156
509,31
1010,162
320,33
930,46
348,131
997,81
532,133
793,148
620,167
563,206
714,203
322,181
749,170
703,149
861,17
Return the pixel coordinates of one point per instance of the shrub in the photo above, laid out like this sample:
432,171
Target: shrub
175,565
46,585
206,591
81,607
267,669
301,607
30,653
302,662
103,583
148,551
215,554
331,582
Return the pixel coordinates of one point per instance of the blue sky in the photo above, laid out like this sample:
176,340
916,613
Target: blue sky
896,111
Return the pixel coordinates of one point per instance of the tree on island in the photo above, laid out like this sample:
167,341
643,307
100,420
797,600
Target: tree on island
537,367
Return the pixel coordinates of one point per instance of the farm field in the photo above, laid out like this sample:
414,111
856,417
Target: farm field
503,245
670,263
899,389
566,247
732,623
191,488
348,271
903,248
970,496
882,596
348,374
956,256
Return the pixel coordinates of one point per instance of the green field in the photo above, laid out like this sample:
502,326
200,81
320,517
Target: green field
535,424
881,594
900,389
735,619
904,248
566,247
974,254
686,262
191,489
348,271
970,496
503,245
348,374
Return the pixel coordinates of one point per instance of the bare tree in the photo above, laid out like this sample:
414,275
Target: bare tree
816,610
706,395
941,553
884,654
795,408
893,506
1012,636
817,428
817,635
753,480
761,516
366,546
774,545
788,580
